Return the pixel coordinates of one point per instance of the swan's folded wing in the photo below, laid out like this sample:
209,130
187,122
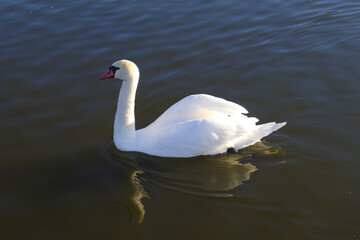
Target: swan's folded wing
198,106
215,104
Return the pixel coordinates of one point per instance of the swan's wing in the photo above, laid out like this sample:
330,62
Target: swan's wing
198,106
197,125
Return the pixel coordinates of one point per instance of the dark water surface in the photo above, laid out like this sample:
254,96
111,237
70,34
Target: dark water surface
296,61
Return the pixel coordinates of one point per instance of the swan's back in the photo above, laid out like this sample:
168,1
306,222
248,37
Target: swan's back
198,106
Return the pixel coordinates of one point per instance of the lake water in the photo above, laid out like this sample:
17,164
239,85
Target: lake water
297,61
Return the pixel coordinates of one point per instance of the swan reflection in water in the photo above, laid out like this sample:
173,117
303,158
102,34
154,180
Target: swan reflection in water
208,176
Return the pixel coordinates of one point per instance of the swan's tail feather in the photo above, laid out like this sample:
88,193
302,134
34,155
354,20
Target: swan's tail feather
265,129
259,132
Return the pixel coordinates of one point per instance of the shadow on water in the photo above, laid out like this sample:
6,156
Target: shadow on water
205,176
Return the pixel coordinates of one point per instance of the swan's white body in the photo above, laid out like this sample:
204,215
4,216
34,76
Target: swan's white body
196,125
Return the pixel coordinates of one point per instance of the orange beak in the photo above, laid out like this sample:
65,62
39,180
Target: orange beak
109,74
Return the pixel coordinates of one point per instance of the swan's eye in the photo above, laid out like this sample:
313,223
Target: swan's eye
113,69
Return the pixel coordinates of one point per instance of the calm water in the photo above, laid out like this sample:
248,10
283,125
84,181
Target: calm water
296,61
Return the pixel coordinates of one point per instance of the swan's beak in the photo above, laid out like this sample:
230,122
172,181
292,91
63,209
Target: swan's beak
109,74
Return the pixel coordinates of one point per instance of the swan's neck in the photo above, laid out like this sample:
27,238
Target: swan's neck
124,125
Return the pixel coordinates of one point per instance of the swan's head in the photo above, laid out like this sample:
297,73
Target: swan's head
124,70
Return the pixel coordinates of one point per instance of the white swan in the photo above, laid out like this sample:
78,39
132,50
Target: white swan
196,125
